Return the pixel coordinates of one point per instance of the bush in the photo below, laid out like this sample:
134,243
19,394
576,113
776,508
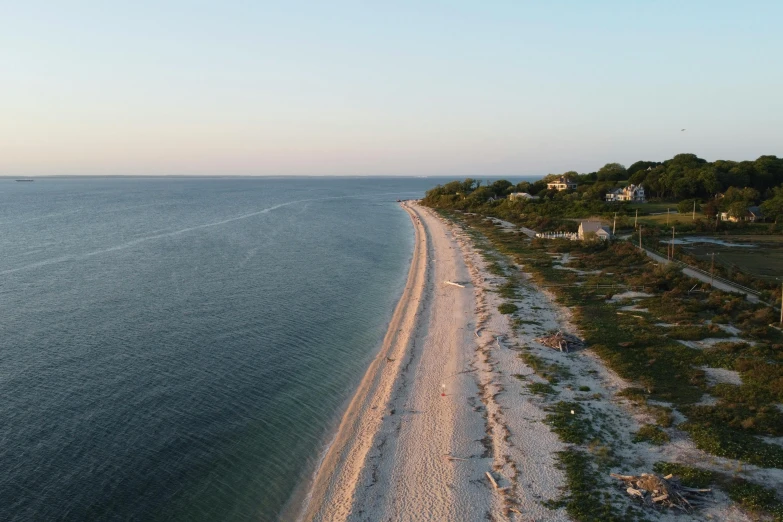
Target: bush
755,498
586,498
652,434
690,477
726,442
507,308
541,388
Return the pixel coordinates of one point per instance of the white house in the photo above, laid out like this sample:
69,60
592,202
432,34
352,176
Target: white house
561,183
521,195
629,193
593,228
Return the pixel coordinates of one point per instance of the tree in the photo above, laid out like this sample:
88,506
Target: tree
500,187
612,172
773,207
711,209
747,196
738,209
641,166
686,206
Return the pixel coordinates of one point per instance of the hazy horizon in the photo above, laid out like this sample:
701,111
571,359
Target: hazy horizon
346,89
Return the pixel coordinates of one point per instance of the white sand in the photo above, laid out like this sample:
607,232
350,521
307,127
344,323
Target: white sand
385,466
721,375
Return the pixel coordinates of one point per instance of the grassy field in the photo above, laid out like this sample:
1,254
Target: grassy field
647,208
765,260
673,218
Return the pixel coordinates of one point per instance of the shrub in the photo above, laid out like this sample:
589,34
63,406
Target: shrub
508,308
755,498
541,388
689,476
652,434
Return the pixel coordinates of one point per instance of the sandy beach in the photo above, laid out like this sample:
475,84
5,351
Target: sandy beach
425,425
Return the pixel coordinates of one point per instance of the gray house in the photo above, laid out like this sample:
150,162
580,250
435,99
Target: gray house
593,228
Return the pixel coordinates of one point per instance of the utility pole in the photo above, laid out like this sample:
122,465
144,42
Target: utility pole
614,224
636,218
640,239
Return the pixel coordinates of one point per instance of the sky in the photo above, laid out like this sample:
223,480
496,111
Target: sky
462,88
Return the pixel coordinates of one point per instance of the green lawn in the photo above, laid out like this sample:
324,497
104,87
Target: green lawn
646,208
673,219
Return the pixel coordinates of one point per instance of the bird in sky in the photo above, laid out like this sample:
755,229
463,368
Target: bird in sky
682,130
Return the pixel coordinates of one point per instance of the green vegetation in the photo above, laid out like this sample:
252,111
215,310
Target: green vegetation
689,476
508,308
586,499
552,372
652,434
541,388
509,289
568,421
754,497
731,443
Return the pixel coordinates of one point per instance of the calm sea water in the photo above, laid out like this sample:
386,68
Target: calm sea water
179,349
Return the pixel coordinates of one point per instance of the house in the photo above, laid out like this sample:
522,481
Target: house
561,183
588,229
752,215
630,193
521,196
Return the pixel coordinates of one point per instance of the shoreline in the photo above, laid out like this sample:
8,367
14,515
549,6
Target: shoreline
344,453
432,420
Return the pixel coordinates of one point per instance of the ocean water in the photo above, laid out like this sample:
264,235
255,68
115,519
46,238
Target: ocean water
179,349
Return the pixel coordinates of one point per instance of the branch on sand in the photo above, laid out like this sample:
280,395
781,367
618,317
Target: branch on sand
658,492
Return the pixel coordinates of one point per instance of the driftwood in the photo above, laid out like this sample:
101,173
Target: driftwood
491,479
656,491
561,341
452,283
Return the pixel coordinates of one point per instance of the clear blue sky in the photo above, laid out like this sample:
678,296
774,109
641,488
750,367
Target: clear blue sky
406,87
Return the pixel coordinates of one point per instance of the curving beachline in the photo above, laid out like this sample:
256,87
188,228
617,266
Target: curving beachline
336,479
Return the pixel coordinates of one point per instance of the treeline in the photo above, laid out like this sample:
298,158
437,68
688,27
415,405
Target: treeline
727,186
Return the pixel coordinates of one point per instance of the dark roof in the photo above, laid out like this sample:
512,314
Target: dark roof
592,226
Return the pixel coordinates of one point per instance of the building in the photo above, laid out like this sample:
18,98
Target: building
521,196
588,229
752,215
630,193
561,183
